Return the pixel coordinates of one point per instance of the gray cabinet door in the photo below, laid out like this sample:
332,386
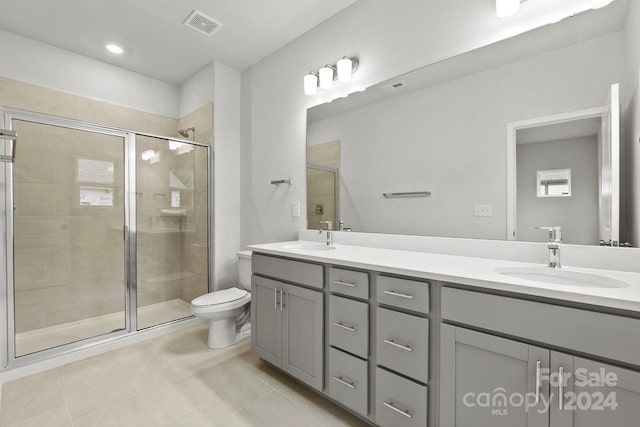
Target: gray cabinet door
594,394
486,381
266,319
302,330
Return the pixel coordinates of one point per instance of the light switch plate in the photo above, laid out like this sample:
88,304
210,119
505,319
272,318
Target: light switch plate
295,209
483,210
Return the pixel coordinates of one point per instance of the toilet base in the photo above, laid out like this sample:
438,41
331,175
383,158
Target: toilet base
222,332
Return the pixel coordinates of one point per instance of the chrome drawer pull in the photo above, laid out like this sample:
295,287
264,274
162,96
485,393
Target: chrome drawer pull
347,284
538,380
344,382
398,294
391,405
275,298
561,388
343,326
395,344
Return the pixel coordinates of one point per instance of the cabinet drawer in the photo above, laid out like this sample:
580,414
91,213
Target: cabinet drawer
348,382
399,402
403,343
579,330
403,293
289,270
348,282
349,325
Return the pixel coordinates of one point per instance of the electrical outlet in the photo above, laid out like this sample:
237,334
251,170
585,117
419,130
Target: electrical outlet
295,209
483,210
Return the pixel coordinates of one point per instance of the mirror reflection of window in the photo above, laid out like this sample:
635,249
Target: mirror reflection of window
554,183
100,175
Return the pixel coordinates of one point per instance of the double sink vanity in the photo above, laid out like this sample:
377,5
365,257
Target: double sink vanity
404,338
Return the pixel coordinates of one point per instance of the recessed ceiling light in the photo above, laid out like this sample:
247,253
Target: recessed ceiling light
114,48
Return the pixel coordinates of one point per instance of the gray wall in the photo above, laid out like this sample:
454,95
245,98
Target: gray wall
578,214
451,139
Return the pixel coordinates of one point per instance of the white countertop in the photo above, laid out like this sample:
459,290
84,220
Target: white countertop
477,272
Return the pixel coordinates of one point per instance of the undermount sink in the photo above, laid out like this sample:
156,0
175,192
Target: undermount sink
309,247
561,277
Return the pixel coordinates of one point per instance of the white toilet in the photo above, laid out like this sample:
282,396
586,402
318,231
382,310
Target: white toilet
227,310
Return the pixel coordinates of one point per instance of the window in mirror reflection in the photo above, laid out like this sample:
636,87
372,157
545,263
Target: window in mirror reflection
554,183
100,175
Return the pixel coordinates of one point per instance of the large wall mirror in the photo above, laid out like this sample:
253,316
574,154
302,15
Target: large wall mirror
536,130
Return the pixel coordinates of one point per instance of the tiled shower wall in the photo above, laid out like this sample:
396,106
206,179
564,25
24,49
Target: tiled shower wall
320,184
172,250
64,277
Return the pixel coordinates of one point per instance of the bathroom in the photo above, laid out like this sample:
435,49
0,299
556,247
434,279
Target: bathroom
139,181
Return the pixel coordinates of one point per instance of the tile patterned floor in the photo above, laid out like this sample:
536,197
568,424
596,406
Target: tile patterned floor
65,333
172,381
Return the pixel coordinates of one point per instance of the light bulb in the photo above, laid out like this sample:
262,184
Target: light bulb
506,8
601,3
114,48
345,68
310,84
147,154
326,77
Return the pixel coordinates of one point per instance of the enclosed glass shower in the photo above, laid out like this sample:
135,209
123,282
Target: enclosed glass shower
107,232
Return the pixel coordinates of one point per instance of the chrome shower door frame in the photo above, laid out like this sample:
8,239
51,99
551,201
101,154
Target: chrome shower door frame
336,187
10,359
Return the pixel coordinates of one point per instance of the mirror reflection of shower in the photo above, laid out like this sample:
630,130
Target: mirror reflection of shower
185,133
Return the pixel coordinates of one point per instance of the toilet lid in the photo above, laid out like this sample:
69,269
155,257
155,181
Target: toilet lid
220,297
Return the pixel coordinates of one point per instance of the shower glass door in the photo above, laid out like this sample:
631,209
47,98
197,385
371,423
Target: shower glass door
69,248
172,228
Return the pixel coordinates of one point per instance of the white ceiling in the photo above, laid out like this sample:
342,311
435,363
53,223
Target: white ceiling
560,131
157,44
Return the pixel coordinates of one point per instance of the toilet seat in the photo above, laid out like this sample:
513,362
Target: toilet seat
226,299
219,297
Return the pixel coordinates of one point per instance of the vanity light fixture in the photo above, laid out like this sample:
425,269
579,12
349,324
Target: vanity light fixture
147,154
174,145
311,83
601,3
324,78
505,8
345,69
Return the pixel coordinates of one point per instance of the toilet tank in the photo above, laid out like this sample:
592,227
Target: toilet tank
244,269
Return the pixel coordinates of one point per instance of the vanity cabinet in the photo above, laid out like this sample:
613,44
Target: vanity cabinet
287,322
483,378
402,351
610,399
479,371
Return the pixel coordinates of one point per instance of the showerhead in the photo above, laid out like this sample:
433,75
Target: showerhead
185,132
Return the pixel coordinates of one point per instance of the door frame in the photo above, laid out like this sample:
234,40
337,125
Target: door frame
512,173
336,188
8,359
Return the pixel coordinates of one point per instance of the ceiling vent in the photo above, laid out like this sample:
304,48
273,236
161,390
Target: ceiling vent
202,23
392,86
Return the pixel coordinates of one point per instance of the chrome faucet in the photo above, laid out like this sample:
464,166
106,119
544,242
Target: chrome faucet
326,226
329,236
555,237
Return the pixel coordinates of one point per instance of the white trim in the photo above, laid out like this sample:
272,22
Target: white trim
512,128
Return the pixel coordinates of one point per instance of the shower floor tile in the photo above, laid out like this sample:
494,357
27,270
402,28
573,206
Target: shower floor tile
173,380
54,336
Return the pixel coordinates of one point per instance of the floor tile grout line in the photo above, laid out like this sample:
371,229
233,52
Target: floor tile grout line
64,398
